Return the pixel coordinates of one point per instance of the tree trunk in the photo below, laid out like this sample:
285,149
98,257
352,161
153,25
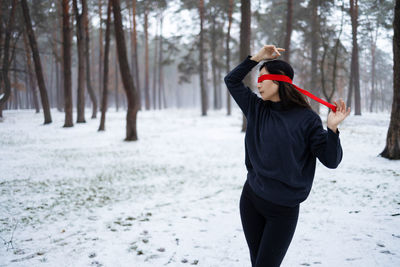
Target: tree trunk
81,65
323,65
314,55
131,92
146,43
7,88
392,149
214,61
100,48
67,65
14,86
135,54
87,55
160,66
61,70
355,65
288,34
351,83
204,98
105,74
38,65
373,49
116,83
228,56
245,35
30,74
155,66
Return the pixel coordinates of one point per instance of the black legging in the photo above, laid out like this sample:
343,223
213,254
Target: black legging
268,228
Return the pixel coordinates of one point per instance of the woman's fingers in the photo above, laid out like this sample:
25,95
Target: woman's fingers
348,111
271,51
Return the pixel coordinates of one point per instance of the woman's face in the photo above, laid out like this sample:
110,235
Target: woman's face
268,89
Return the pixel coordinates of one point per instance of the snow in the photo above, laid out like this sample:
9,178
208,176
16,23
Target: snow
1,96
78,197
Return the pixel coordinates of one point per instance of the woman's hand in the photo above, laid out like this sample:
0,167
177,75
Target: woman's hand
334,118
267,52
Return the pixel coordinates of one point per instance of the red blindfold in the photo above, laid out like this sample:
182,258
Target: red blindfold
284,78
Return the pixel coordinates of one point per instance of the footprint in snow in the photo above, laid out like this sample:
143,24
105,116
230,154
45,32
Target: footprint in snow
387,252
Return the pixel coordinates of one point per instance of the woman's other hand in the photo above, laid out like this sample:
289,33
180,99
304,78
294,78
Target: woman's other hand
267,52
334,118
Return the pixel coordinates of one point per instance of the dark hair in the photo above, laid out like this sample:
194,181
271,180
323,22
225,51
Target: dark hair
288,94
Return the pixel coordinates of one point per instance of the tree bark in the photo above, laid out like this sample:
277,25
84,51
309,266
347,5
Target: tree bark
356,72
204,98
214,61
31,77
7,87
373,49
228,56
160,67
67,65
314,55
87,56
392,149
146,43
155,65
81,65
61,61
100,48
116,83
105,74
135,54
289,27
38,65
245,35
131,92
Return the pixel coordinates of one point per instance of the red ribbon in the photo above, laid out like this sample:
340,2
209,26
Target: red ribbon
284,78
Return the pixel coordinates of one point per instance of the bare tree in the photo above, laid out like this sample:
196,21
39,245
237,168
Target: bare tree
130,90
155,62
87,57
81,65
146,59
326,57
38,64
228,55
4,73
289,27
314,53
354,73
31,78
392,149
67,65
135,67
105,74
101,52
204,98
160,68
245,35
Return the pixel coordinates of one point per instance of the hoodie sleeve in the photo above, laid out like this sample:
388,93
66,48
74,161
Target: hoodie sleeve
242,94
325,144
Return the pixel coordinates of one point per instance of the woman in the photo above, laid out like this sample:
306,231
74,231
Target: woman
284,136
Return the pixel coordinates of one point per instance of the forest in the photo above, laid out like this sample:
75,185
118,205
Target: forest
115,118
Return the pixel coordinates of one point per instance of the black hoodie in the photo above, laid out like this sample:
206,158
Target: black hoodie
281,145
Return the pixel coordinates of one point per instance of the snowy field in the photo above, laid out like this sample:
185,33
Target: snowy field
77,197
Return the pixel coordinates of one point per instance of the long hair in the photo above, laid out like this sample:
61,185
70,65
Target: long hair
288,94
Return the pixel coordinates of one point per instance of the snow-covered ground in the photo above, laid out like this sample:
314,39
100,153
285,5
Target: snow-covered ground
78,197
